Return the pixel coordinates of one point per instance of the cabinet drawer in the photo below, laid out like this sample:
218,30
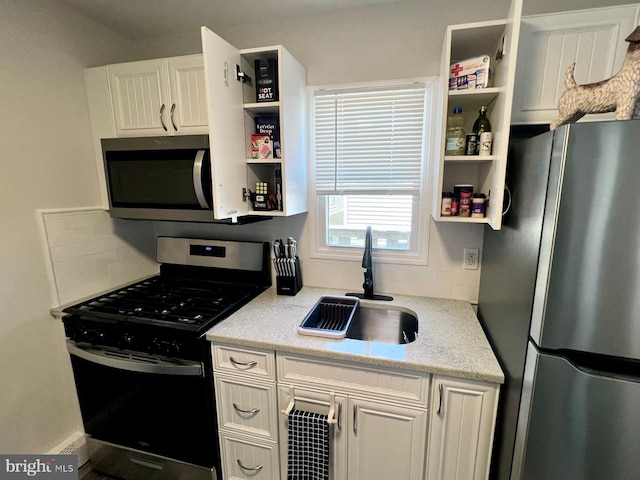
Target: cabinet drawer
248,409
246,459
254,363
376,382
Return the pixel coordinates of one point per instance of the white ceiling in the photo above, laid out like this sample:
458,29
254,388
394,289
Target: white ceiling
143,19
139,19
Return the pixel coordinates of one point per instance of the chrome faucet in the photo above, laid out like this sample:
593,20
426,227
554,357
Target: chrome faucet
367,264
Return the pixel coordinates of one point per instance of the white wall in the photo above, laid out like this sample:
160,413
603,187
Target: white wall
46,162
391,41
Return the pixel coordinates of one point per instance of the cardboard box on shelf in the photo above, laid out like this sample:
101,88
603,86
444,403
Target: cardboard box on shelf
270,125
469,73
266,80
261,146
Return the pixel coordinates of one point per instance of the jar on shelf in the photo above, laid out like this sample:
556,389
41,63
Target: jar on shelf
465,203
446,204
478,205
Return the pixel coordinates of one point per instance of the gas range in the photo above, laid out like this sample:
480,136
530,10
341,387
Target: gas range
139,354
167,314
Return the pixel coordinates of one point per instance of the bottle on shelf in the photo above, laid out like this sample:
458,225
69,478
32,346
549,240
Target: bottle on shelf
456,133
482,128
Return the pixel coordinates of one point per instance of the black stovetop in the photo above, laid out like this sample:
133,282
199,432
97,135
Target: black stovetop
201,282
171,302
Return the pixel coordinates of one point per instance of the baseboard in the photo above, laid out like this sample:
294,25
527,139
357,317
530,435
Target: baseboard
75,443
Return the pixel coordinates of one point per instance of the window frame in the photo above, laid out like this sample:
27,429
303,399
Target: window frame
421,211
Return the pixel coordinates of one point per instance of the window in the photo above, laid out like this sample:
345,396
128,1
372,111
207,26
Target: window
369,148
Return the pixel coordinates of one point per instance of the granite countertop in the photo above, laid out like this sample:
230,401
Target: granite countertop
450,339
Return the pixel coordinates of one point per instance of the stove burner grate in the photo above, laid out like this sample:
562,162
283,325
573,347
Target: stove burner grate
173,301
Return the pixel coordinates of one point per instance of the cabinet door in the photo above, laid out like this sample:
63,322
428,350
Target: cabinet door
385,441
316,402
593,38
226,125
188,110
461,429
139,96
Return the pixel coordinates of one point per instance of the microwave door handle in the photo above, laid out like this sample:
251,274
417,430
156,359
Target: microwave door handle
197,179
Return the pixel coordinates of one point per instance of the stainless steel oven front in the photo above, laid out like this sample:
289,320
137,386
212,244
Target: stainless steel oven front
146,416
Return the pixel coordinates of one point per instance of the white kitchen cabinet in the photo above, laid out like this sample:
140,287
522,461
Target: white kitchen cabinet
368,412
232,109
385,440
246,406
203,94
462,422
499,40
389,423
163,96
549,44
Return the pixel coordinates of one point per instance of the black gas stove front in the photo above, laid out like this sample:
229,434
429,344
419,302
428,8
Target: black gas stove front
142,365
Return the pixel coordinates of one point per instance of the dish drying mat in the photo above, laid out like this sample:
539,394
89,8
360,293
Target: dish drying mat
308,452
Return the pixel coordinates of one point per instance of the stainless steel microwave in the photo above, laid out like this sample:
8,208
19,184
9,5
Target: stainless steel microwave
159,178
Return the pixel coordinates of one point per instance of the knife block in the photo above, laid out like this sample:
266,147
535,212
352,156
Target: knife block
289,284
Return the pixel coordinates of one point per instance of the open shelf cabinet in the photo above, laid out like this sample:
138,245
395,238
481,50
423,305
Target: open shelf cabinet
499,40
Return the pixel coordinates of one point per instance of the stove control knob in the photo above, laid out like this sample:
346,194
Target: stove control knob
174,348
127,339
90,335
155,346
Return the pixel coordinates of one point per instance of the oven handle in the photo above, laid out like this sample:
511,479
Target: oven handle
192,369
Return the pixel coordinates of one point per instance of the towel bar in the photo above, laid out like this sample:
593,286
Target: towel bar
331,416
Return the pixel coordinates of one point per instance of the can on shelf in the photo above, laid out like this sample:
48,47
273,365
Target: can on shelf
471,144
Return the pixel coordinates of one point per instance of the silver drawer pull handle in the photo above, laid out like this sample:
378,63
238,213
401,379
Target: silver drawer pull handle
243,364
238,409
249,469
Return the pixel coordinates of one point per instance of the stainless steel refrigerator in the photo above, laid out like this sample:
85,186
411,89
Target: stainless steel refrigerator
560,303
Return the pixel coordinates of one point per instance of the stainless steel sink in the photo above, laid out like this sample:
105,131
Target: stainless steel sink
383,325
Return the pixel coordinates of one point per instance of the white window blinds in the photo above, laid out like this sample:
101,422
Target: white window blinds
369,142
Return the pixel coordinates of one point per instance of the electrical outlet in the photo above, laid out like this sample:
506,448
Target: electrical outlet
470,259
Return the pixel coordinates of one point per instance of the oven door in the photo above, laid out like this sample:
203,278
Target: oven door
146,404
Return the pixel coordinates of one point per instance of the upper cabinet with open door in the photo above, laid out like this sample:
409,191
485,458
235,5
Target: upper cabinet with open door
272,171
497,40
215,93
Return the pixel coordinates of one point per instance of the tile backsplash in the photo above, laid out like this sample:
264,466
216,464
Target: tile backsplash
89,252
